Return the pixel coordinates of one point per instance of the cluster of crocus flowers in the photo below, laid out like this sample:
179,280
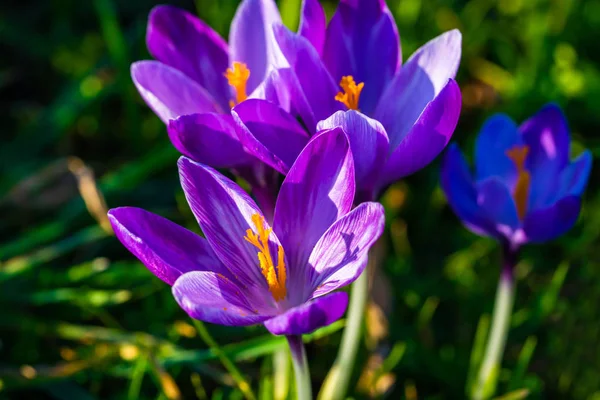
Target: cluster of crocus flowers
334,110
248,271
260,106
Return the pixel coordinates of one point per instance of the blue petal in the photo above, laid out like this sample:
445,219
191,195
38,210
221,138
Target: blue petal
496,202
457,183
548,187
574,178
498,134
547,136
549,223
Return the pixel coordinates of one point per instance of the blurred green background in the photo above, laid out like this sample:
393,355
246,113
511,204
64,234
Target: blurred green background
80,318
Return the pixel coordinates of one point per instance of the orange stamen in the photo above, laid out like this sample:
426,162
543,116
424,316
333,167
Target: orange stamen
276,276
237,77
518,155
351,92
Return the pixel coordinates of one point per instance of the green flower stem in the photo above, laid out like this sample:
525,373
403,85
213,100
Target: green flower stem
281,374
237,376
338,378
485,385
303,384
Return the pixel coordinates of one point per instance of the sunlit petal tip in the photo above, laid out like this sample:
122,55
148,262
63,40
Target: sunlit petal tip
340,255
169,92
427,137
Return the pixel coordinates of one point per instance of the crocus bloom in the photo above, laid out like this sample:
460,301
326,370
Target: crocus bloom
417,104
524,188
197,77
247,272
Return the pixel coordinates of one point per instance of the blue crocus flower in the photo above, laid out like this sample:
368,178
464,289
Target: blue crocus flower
525,188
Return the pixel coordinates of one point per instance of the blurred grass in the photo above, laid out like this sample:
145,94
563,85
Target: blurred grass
80,318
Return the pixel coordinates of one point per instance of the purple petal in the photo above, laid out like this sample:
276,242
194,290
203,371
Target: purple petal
309,316
498,135
169,92
317,191
428,136
269,133
208,138
274,88
551,222
182,41
314,79
313,24
224,212
497,204
251,38
340,256
369,143
457,183
547,136
362,41
211,297
281,87
419,81
167,249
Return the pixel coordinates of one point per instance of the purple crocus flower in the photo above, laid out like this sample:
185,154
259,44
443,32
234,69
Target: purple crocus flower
524,189
247,271
417,104
197,77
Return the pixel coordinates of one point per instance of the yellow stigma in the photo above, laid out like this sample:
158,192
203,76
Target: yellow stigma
351,92
237,77
275,276
518,155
